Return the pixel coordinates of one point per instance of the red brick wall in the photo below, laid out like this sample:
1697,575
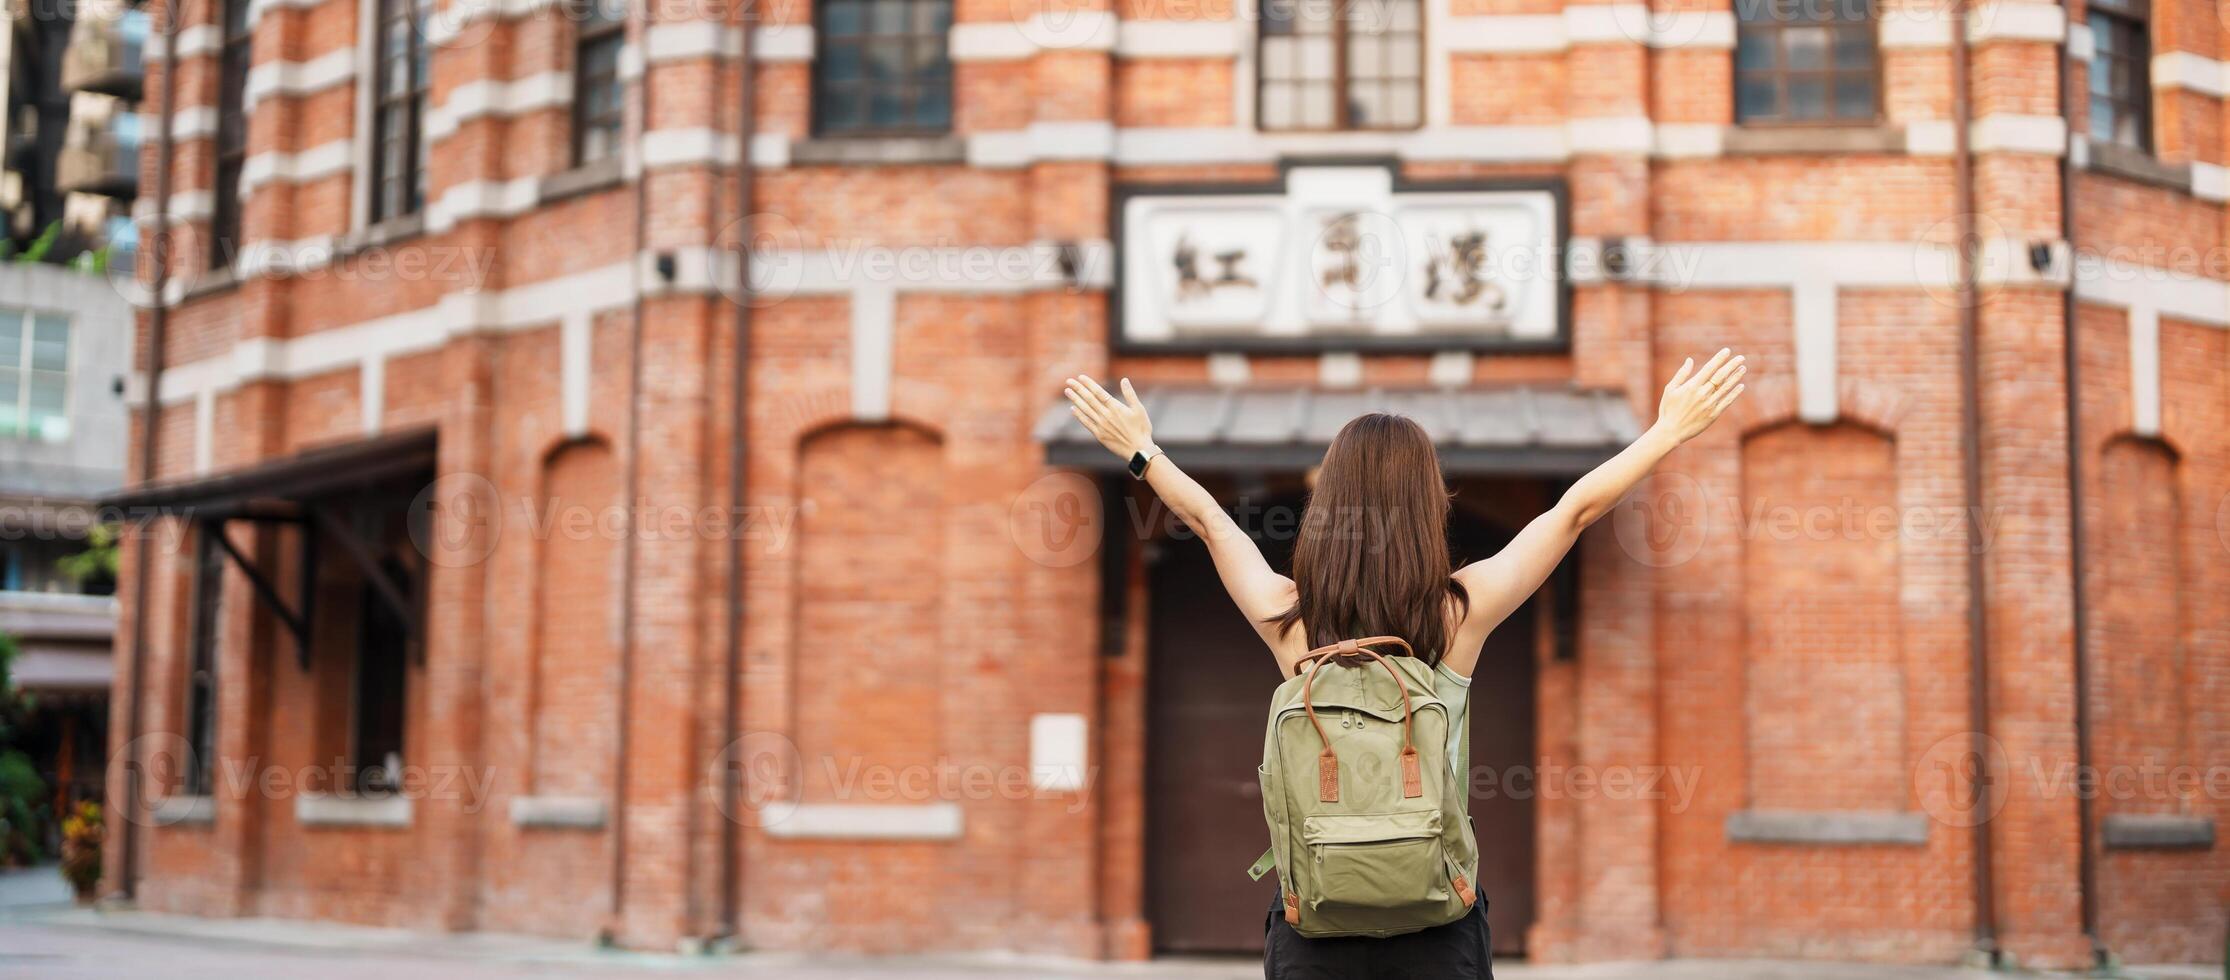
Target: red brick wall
1823,617
1805,672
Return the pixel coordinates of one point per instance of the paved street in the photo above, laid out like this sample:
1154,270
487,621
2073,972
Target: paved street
42,936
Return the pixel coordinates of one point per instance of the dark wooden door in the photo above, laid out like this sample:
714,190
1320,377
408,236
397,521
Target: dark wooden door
1209,681
1502,742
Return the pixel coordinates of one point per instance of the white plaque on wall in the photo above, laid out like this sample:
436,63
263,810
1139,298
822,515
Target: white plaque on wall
1342,258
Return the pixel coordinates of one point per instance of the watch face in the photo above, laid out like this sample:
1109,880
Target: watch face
1137,464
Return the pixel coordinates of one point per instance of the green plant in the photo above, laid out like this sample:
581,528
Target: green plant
40,246
93,261
97,561
21,789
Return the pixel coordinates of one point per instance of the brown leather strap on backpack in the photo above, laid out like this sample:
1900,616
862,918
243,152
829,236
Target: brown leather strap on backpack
1328,764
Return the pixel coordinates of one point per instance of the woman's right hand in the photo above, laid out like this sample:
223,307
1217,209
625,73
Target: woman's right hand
1695,398
1120,424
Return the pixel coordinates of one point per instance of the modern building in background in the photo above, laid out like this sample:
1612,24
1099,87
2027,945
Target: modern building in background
477,314
64,346
73,126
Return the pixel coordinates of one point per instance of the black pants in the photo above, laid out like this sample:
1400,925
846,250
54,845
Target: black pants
1460,950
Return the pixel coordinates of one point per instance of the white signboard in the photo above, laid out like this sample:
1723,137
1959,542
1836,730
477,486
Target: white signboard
1341,259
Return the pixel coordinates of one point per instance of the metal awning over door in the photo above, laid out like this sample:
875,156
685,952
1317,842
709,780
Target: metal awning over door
1540,430
317,490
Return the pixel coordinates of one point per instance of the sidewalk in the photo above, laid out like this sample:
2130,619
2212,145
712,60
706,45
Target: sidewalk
42,939
38,887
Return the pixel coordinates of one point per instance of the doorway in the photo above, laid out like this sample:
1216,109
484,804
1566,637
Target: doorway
1209,682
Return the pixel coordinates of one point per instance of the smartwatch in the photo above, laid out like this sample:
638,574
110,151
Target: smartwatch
1139,459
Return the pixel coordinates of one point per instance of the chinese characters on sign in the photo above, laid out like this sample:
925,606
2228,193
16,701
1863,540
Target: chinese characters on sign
1340,258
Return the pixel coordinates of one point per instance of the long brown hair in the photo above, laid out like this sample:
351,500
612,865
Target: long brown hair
1372,556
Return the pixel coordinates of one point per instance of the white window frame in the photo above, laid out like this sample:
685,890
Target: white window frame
19,362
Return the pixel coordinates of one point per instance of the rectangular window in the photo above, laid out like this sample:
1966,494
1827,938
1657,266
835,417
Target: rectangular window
399,110
1353,64
34,375
378,690
2121,74
598,97
883,68
233,59
1806,61
201,668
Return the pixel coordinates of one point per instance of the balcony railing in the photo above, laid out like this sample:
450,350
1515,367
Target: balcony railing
105,162
105,51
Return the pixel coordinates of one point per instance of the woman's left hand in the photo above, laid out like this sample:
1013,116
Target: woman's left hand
1120,424
1695,397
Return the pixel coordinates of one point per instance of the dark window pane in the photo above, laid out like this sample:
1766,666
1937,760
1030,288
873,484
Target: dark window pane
843,17
1757,98
887,17
1854,97
1754,50
1807,98
841,63
934,110
1854,49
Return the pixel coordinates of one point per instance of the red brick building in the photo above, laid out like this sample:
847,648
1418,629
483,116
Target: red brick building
612,484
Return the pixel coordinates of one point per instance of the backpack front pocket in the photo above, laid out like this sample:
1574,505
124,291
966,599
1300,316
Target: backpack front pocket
1375,865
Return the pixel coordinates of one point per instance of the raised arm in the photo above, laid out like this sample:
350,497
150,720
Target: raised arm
1121,425
1692,401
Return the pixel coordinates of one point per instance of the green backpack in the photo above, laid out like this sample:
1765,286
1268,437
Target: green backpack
1369,830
